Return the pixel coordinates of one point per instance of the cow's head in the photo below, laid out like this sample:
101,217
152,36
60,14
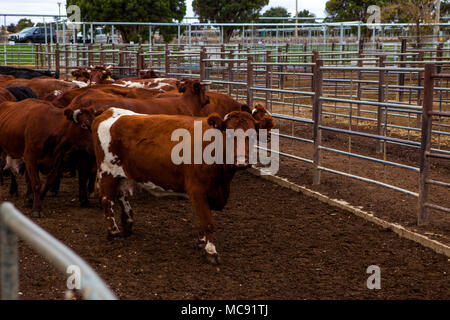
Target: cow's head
82,117
258,113
81,74
148,74
242,125
196,89
100,74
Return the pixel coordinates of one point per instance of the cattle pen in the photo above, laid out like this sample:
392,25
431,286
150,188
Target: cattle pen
364,125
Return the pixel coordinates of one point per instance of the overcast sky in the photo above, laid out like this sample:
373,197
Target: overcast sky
51,7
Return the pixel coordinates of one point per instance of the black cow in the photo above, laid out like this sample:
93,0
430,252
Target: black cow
25,73
21,92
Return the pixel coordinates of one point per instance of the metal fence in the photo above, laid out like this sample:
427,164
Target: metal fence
334,88
14,224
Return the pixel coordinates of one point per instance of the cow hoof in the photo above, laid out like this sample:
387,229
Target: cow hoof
114,236
201,244
84,204
126,233
213,258
36,214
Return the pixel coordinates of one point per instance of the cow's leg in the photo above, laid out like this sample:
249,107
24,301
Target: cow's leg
92,181
35,181
83,176
53,181
1,169
127,215
13,188
54,188
86,178
201,208
29,193
108,190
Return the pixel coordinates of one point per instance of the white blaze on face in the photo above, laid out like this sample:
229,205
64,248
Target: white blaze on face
104,134
57,93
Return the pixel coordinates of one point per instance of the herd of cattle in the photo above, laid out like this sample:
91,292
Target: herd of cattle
113,133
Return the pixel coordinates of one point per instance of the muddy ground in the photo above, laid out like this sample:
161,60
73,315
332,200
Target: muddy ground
274,244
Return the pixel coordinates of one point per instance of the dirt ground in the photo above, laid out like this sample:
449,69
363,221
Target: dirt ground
274,244
385,203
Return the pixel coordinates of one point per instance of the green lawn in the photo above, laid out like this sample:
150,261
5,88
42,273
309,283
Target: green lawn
17,54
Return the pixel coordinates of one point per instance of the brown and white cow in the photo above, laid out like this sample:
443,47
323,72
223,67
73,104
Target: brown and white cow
132,147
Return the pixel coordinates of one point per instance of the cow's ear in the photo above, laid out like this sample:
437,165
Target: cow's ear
246,108
215,121
266,123
68,112
99,112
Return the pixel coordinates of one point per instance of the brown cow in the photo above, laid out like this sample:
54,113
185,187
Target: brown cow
218,102
64,99
40,134
190,103
42,87
134,147
81,74
6,95
6,77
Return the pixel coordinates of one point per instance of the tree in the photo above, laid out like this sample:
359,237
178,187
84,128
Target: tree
11,28
418,12
136,11
23,23
276,12
350,10
237,11
306,14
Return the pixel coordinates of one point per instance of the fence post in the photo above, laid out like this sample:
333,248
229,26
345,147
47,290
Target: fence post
9,267
317,115
380,113
66,61
121,61
281,69
401,76
167,60
90,55
57,63
360,64
268,81
202,64
230,72
222,63
102,55
422,215
439,52
314,58
419,92
249,81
